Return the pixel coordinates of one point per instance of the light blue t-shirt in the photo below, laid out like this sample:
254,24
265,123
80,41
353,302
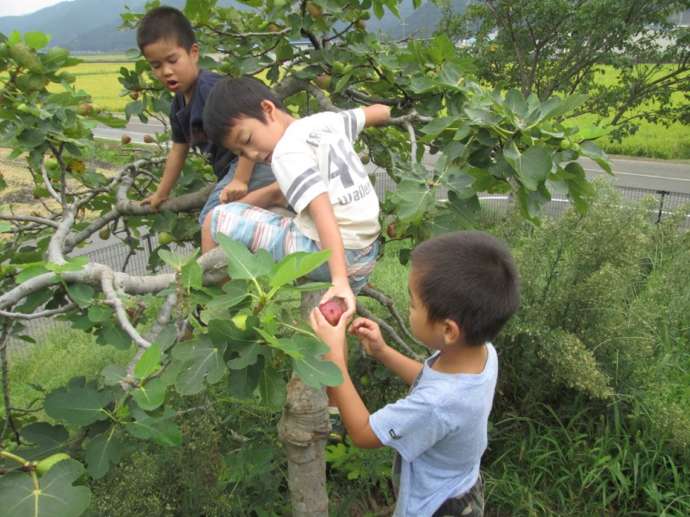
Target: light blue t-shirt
440,431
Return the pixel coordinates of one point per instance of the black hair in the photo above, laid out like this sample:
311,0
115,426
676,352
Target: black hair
468,277
232,98
165,23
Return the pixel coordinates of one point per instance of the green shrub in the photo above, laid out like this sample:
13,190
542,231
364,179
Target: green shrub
598,292
229,464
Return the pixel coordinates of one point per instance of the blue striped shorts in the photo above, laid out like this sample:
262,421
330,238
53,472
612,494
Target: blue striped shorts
261,229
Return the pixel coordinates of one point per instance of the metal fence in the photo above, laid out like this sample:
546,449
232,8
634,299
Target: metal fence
121,258
663,201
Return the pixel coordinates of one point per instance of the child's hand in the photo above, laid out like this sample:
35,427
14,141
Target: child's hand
369,335
334,337
155,200
341,288
233,191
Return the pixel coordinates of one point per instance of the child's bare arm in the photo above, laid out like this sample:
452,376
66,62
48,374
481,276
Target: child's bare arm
265,197
353,412
321,212
173,166
239,185
369,335
376,115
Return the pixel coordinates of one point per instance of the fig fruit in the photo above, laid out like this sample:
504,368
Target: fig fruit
391,231
240,321
165,238
333,309
46,464
125,139
85,108
148,139
314,10
323,81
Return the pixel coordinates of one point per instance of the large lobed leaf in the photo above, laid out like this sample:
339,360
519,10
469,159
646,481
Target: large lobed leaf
56,496
78,403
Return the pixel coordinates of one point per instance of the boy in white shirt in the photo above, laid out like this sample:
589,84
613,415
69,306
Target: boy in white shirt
463,289
318,172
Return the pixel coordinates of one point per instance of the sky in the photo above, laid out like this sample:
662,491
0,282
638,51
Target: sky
19,7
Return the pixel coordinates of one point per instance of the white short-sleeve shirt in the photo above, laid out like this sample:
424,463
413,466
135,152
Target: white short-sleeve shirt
316,155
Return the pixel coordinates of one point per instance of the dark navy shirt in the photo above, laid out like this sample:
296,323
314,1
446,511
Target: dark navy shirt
186,121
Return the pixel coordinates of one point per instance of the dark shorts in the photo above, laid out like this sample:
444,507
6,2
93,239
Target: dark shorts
469,504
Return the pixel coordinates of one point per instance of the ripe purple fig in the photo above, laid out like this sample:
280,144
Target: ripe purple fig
333,309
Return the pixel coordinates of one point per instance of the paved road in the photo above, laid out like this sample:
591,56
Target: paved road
629,172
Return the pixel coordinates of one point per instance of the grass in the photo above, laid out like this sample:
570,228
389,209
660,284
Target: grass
650,140
589,465
59,355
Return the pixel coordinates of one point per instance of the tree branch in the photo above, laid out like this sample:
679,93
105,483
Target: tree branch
49,186
74,239
112,299
163,318
37,315
366,99
412,116
29,219
413,141
184,203
387,302
57,241
212,263
323,101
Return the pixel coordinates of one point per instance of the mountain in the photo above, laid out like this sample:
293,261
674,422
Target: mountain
420,23
93,25
89,25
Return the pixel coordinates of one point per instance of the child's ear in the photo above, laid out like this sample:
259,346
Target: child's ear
194,52
269,109
451,331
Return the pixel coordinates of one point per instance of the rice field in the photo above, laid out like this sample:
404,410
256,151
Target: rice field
100,80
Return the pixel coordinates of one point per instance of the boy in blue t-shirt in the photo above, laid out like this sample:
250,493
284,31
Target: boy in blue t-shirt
463,289
166,39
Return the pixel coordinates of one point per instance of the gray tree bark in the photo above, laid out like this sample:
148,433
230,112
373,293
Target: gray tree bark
303,429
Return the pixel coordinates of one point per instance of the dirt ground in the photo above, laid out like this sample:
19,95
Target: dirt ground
18,196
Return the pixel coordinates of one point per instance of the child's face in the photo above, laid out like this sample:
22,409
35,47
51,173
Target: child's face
428,332
174,66
256,139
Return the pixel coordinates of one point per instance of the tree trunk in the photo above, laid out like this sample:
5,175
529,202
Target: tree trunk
304,429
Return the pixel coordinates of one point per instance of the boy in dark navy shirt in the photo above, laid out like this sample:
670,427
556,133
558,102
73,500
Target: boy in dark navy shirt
166,39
